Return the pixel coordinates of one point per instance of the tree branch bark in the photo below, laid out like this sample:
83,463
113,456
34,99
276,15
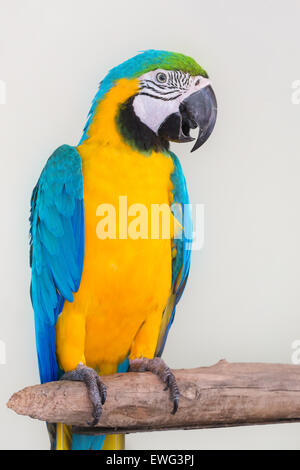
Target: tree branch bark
221,395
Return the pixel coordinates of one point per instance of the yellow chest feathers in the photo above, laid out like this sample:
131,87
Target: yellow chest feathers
126,279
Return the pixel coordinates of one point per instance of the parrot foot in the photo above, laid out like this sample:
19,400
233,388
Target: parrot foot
158,367
96,389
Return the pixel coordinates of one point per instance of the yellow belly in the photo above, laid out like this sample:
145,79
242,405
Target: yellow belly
125,282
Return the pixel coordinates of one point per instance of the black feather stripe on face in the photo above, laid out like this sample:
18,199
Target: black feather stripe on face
136,133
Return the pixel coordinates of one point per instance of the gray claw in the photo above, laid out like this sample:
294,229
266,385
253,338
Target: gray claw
158,367
95,388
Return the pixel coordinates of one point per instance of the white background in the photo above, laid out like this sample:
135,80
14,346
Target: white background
242,301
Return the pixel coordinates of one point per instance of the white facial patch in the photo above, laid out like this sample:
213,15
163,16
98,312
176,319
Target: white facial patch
162,92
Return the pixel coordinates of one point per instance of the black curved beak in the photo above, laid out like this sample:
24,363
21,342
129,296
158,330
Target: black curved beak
198,110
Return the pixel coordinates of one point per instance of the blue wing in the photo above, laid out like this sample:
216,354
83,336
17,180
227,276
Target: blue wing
181,249
57,248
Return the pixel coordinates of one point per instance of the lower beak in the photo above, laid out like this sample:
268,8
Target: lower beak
198,110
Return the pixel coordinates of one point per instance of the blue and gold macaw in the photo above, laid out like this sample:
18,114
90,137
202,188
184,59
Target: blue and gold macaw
106,304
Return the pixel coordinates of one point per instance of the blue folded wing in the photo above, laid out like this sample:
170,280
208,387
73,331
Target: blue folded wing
57,248
181,249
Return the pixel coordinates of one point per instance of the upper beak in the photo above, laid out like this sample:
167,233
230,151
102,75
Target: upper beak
197,110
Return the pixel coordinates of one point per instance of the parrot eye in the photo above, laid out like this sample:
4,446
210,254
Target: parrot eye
161,77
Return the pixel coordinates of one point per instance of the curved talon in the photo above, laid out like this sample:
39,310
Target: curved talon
97,411
95,388
158,367
175,406
102,389
173,387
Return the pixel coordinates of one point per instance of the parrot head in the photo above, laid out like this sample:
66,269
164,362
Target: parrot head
157,97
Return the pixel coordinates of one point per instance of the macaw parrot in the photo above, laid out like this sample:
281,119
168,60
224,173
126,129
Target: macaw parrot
105,304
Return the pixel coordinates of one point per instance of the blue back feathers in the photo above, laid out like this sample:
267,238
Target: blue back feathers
57,248
181,262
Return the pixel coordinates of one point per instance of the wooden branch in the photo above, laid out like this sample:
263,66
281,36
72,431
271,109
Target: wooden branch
221,395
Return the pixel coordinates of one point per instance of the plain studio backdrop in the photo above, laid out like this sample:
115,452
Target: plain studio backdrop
242,301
